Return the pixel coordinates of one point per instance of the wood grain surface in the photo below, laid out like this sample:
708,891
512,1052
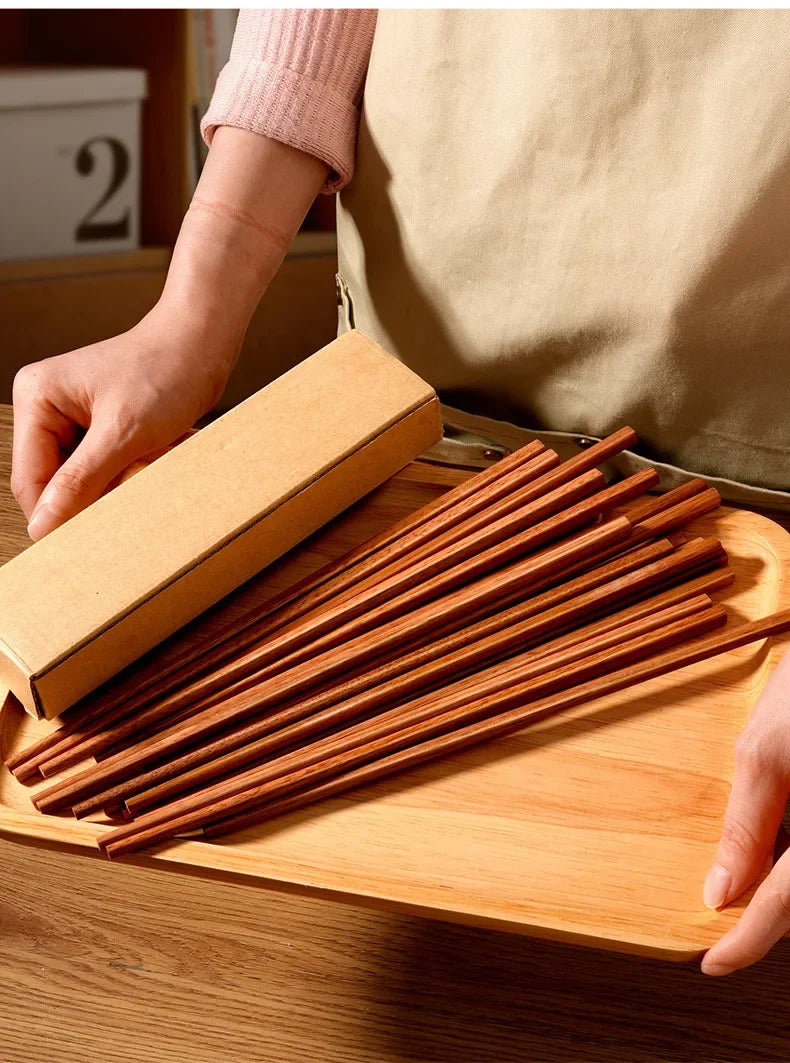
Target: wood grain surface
592,827
109,964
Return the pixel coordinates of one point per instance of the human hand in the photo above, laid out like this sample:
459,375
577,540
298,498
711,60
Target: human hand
756,805
81,418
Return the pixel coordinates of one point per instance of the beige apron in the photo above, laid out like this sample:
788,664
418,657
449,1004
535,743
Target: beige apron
573,220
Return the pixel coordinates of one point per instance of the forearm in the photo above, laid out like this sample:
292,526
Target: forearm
251,199
137,392
282,126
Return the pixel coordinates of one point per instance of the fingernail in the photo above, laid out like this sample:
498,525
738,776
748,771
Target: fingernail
716,970
42,522
717,886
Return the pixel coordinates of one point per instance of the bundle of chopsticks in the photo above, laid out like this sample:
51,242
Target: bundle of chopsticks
530,588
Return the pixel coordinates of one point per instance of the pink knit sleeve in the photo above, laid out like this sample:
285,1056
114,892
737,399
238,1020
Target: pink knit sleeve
296,75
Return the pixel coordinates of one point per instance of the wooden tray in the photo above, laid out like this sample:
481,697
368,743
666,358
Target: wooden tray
597,827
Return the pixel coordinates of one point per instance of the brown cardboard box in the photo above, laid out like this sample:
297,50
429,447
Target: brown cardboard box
166,544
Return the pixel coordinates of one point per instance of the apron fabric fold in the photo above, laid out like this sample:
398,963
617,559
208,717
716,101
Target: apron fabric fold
567,221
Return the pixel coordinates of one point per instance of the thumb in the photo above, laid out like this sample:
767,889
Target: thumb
82,478
754,814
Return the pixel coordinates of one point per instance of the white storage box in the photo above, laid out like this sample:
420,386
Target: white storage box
70,171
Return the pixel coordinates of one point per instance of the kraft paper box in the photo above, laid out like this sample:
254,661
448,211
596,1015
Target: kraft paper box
107,586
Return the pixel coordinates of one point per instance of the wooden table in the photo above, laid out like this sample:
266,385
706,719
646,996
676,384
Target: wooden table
102,964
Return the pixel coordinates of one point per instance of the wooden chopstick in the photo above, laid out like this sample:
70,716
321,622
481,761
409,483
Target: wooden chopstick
660,521
232,754
250,787
112,701
579,555
460,500
453,506
381,686
504,724
328,632
478,491
533,573
522,627
650,507
444,641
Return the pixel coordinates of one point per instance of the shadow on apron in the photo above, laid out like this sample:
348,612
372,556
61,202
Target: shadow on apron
476,442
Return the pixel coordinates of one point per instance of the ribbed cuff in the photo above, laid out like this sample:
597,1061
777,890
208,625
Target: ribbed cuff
288,107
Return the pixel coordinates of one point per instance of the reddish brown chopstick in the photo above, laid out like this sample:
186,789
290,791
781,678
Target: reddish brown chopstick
478,492
504,724
367,692
582,642
77,745
651,507
581,554
466,497
660,521
244,669
502,480
250,787
534,573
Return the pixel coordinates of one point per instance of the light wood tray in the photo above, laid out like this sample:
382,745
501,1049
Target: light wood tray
597,826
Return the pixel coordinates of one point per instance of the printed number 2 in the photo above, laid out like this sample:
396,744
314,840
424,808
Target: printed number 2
85,161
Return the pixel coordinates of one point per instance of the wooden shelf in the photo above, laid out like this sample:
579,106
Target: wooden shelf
49,306
37,270
306,244
313,243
